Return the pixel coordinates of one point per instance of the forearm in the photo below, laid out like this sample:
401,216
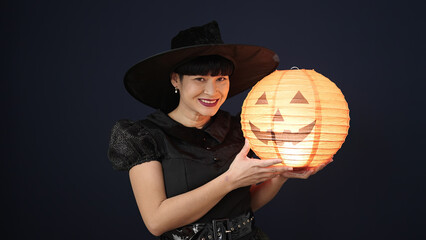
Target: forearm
263,193
162,214
188,207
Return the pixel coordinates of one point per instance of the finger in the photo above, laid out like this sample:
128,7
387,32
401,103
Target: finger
317,169
298,176
301,174
307,174
265,177
320,167
267,162
276,169
246,148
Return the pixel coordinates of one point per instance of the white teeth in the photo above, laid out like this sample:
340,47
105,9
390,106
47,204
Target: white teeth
208,101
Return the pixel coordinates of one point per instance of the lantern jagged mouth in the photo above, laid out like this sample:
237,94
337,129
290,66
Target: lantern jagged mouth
282,137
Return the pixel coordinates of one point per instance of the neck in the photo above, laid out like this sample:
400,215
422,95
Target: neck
189,119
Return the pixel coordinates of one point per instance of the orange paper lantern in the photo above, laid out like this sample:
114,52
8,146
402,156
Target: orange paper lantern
298,116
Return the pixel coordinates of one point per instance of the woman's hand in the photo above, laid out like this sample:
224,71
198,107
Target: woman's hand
304,174
261,194
246,171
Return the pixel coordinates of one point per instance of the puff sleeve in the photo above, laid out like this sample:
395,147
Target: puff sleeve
131,144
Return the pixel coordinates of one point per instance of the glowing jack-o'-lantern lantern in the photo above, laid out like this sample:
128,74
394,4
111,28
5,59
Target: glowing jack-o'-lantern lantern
298,116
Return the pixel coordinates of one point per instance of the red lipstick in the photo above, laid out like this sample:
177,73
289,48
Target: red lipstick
208,102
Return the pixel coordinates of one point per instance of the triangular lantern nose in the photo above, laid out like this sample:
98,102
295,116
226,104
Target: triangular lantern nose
299,98
262,99
278,117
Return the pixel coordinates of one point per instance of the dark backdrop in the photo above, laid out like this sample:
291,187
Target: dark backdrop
61,91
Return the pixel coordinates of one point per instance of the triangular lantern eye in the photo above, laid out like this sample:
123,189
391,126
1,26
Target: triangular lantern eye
299,98
262,99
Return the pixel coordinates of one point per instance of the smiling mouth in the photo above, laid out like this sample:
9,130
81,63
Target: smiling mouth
208,102
281,137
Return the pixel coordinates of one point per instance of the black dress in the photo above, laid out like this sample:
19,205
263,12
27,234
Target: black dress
190,157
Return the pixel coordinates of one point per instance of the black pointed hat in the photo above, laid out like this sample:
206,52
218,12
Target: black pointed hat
149,80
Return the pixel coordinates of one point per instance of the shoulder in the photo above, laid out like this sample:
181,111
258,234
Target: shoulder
130,144
128,128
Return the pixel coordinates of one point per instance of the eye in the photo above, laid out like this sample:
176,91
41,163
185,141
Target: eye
299,98
199,79
262,99
221,79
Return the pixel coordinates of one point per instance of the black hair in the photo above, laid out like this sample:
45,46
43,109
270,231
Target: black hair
203,65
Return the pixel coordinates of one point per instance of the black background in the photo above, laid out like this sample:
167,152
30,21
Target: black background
61,92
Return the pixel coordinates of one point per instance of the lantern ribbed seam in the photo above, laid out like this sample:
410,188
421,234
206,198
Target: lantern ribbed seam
318,117
277,150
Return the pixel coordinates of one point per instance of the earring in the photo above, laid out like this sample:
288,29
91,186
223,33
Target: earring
176,90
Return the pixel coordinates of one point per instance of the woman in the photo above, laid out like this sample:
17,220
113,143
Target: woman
188,163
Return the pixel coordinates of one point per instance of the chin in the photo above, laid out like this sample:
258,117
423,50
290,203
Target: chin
209,112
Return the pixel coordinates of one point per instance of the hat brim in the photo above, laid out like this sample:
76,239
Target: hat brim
149,80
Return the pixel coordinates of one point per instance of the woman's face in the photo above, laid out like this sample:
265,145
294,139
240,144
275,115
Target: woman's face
202,95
